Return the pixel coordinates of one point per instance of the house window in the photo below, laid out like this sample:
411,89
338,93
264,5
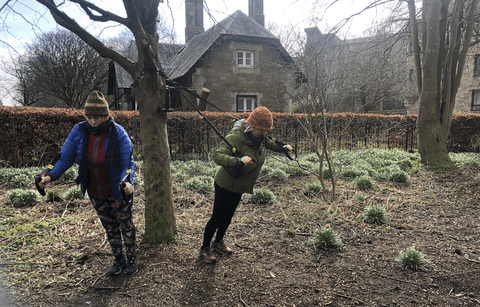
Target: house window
476,100
246,103
476,71
245,58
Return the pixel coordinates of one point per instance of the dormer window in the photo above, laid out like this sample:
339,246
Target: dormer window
245,58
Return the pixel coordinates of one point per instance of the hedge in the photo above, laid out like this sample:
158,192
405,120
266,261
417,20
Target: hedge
34,136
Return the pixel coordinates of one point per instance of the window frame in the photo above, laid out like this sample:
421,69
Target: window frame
245,99
476,66
244,58
476,100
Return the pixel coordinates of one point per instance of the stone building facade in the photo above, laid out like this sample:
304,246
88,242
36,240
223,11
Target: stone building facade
241,63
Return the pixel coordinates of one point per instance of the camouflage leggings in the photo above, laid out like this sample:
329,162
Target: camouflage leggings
116,218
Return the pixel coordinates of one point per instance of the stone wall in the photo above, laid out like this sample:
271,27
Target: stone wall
267,80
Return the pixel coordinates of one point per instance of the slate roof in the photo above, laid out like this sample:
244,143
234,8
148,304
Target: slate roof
167,52
178,59
237,24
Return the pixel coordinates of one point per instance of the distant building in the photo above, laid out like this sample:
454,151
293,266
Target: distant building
354,75
241,63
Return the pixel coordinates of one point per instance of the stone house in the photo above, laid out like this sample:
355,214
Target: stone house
241,63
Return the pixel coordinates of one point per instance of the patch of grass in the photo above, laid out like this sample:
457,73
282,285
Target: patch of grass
202,184
278,175
327,237
313,188
73,193
262,196
364,182
21,198
54,195
412,259
375,214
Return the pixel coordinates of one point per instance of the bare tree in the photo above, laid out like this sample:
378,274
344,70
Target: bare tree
59,67
141,20
440,47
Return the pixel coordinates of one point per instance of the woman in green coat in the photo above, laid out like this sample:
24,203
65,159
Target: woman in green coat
247,137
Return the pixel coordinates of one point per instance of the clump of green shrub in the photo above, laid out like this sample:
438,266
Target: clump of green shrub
53,195
262,196
21,198
412,259
18,177
465,159
399,176
70,174
73,193
327,237
302,170
202,184
277,174
375,214
353,171
364,182
313,188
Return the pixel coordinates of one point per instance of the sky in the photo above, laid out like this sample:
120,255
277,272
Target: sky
24,22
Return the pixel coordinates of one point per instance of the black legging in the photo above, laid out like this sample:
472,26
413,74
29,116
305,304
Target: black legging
224,207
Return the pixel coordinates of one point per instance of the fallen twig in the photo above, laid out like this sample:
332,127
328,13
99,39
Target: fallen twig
174,301
349,297
93,284
241,300
401,280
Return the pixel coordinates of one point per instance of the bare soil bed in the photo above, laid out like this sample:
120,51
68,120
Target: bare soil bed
275,261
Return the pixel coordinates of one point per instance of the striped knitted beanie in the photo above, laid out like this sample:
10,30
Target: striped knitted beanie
96,105
261,118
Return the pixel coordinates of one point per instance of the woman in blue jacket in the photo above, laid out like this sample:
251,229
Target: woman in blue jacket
104,154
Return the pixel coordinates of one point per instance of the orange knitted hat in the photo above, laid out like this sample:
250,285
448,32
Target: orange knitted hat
261,118
96,105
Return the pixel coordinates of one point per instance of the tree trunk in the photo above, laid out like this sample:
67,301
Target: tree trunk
160,224
432,138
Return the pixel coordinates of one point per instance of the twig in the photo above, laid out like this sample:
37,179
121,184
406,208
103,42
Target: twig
78,283
174,301
241,300
66,207
349,297
93,284
456,274
107,288
400,280
244,247
124,282
101,246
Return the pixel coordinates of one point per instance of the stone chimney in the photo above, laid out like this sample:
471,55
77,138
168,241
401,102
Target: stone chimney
255,11
193,18
314,36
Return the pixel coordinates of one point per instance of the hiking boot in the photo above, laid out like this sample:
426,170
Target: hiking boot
206,254
132,265
117,266
221,247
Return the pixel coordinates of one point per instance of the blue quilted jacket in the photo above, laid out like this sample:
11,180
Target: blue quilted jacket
73,146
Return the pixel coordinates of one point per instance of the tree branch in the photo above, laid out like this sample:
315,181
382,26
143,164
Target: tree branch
68,23
104,15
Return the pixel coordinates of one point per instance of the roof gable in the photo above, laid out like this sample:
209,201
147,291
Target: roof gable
237,24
